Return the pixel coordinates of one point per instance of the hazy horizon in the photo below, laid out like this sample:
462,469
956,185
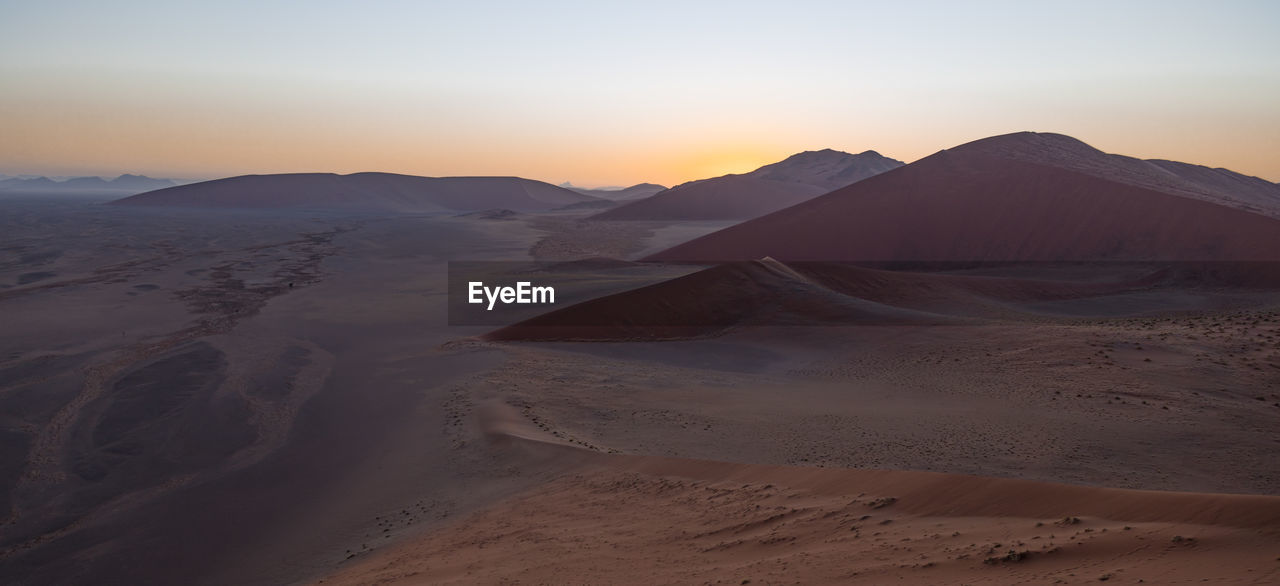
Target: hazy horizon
1020,360
613,96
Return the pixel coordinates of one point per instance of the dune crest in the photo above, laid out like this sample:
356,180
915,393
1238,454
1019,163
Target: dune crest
364,191
798,178
1018,197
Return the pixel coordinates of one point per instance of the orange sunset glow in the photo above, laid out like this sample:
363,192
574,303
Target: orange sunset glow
829,292
585,107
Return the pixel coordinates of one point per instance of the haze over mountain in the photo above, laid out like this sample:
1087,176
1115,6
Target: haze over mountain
123,185
772,187
637,191
1018,197
365,191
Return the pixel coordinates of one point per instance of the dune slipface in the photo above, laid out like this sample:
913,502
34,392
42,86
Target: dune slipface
1220,186
770,293
367,191
707,303
1019,197
799,178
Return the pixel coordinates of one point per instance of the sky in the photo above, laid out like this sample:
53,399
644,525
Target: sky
616,93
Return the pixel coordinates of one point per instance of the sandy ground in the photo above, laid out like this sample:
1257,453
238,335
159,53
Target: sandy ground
779,456
190,396
571,237
221,398
1171,405
682,522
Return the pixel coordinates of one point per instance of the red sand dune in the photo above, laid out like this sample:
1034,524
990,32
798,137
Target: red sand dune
707,303
371,191
917,492
645,520
1018,197
959,294
798,178
768,292
1221,186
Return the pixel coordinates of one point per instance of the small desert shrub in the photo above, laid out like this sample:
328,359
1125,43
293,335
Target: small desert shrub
882,502
1013,556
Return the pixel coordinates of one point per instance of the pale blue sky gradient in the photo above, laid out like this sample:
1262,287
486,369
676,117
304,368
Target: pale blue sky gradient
614,93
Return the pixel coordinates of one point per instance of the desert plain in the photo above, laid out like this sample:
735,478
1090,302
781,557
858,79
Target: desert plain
240,395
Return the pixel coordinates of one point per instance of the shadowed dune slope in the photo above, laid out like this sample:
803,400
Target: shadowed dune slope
798,178
960,294
729,197
768,292
1018,197
708,302
369,191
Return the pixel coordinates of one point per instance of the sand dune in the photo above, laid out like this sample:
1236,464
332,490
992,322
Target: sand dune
916,492
364,191
243,398
710,302
1020,197
680,520
729,197
771,293
798,178
1221,186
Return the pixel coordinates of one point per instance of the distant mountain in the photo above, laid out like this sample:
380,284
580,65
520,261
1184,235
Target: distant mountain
637,191
34,184
141,183
1017,197
770,188
120,186
364,191
84,184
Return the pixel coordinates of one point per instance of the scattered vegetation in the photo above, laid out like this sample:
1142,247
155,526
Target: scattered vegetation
882,502
1011,557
